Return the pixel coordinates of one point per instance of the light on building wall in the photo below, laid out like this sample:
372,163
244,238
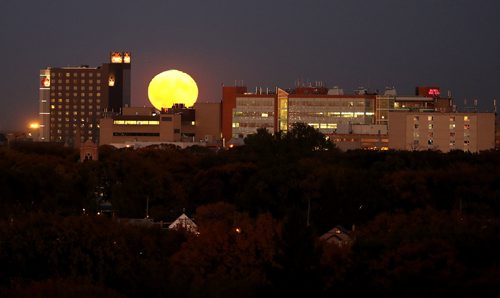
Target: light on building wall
34,125
111,81
116,57
126,57
45,81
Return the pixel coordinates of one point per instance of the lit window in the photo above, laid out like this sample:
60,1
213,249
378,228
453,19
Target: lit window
415,118
466,118
430,118
452,126
431,126
452,118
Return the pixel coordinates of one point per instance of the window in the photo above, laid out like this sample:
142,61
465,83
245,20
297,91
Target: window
430,118
452,126
431,126
452,118
415,118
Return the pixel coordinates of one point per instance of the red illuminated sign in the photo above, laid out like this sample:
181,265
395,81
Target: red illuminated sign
434,92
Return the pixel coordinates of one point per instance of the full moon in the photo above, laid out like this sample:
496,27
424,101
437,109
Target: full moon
170,87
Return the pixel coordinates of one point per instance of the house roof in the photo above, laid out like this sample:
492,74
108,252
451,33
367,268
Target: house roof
184,222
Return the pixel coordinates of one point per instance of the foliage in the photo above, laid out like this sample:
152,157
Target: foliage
420,218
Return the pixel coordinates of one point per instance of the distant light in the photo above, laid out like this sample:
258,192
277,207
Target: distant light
237,230
34,125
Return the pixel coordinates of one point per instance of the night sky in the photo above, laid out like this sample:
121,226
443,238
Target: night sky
454,44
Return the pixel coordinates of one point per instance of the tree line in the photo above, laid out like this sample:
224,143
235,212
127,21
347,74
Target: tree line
425,223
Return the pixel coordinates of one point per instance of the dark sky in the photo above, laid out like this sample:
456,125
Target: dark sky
454,44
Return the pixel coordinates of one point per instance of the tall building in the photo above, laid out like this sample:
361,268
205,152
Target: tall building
73,99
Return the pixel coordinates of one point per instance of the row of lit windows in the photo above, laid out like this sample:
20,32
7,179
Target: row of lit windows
75,74
83,100
67,111
59,138
431,118
75,88
75,81
137,134
66,132
75,113
75,94
67,107
416,134
330,103
83,121
74,125
136,122
452,126
254,114
330,114
323,125
430,142
253,125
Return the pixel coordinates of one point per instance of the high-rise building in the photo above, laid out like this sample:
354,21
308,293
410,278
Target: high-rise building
73,99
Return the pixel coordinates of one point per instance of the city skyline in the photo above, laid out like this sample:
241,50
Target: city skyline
450,44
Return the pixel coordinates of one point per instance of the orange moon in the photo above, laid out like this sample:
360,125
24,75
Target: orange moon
171,87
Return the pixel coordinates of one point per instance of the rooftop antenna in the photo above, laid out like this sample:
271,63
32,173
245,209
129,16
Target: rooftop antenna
495,105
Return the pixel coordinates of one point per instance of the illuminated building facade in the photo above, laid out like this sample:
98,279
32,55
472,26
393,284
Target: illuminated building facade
137,124
471,132
276,110
143,126
73,99
358,120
